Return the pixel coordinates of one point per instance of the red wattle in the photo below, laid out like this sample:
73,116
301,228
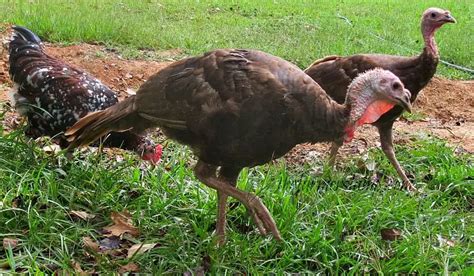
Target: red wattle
374,111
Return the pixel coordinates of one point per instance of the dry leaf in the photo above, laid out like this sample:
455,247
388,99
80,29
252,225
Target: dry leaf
10,242
390,234
445,242
131,91
370,164
90,244
76,266
82,215
130,267
52,149
109,243
139,248
17,202
122,224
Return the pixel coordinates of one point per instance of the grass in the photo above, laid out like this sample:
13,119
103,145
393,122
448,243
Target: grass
330,222
300,31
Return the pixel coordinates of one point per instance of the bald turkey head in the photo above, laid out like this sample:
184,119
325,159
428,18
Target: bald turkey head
432,20
371,95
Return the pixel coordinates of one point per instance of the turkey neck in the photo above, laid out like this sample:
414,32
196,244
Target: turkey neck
426,63
428,32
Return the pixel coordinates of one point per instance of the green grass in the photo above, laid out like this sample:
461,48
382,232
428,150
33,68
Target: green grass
300,31
330,223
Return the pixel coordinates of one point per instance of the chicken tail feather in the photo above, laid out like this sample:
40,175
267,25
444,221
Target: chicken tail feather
22,33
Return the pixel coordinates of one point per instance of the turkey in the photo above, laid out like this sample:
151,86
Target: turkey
242,108
53,96
334,74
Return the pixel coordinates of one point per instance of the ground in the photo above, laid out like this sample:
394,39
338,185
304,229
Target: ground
443,109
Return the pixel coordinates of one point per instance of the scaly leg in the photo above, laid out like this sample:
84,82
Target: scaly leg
207,174
228,175
333,153
385,132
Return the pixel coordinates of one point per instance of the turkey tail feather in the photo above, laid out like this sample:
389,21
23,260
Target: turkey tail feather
119,118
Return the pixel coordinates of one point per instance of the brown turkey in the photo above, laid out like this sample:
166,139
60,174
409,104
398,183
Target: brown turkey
242,108
334,74
54,95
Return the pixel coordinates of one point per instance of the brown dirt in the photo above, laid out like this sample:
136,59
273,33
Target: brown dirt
448,105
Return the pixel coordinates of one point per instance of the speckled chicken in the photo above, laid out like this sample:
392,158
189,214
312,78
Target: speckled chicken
242,108
54,95
334,74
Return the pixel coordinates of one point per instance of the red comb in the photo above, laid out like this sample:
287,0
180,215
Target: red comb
154,157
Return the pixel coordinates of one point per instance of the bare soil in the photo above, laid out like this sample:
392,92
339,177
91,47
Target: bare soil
447,106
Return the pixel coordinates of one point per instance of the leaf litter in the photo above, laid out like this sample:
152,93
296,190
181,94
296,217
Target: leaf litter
82,215
390,234
10,243
122,224
119,241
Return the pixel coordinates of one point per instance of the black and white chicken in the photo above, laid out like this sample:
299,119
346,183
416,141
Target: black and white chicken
54,95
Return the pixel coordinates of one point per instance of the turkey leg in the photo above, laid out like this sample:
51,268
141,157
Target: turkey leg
333,153
386,141
228,175
207,174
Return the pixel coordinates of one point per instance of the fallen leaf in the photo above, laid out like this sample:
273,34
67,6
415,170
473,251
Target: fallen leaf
131,91
122,224
82,215
370,164
17,202
390,234
445,242
52,149
130,267
109,243
77,266
139,249
10,242
90,244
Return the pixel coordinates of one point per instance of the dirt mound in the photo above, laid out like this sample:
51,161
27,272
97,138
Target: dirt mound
447,100
447,105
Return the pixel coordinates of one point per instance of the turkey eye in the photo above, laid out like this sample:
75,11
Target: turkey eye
396,86
433,15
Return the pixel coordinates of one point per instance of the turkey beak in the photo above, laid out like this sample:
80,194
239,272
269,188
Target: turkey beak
448,18
404,100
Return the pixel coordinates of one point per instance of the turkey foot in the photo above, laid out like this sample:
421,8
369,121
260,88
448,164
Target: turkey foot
261,216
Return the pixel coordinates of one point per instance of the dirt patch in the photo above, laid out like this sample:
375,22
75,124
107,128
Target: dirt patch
447,100
447,105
